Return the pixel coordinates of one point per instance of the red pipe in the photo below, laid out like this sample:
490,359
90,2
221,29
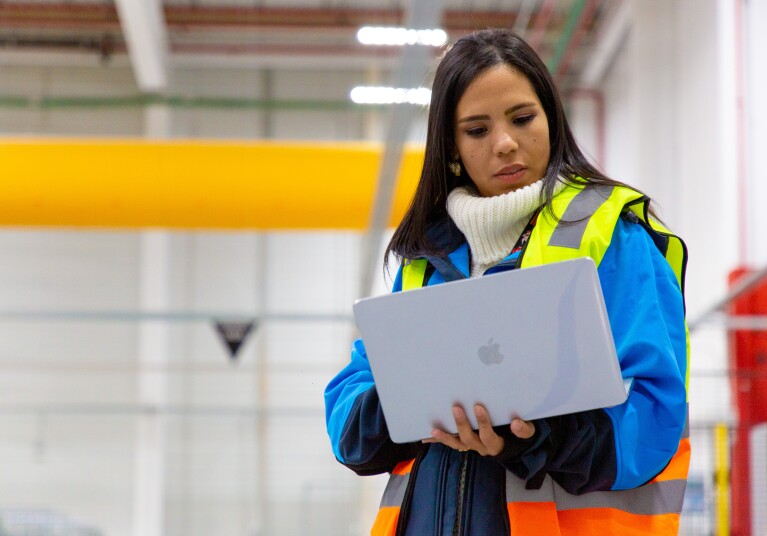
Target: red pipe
740,114
740,477
65,24
542,19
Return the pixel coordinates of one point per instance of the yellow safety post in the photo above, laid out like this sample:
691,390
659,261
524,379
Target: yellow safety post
722,479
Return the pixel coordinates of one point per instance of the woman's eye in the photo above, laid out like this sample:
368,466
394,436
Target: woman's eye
523,120
474,132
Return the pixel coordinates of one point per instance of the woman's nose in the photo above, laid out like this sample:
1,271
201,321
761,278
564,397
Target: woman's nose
505,143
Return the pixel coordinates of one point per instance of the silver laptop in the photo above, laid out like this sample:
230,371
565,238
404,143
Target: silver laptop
528,343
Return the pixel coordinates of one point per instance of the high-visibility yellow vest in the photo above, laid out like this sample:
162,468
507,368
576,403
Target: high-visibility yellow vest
583,227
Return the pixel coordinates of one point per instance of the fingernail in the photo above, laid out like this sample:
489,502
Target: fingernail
456,411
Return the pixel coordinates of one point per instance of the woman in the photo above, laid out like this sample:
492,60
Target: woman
503,186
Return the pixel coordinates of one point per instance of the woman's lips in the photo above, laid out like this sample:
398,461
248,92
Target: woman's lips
511,174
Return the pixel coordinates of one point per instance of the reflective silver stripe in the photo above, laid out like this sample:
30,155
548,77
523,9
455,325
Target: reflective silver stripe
664,497
516,492
686,431
579,212
394,493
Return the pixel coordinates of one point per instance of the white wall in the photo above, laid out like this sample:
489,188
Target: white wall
245,448
246,445
755,86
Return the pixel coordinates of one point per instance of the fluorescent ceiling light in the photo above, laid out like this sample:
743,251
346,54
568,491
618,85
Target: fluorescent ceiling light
380,35
390,95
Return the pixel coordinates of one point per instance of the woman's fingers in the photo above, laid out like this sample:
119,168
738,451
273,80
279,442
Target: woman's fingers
485,441
467,436
522,429
466,439
448,440
493,442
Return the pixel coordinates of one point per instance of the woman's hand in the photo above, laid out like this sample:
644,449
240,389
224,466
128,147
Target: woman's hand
486,442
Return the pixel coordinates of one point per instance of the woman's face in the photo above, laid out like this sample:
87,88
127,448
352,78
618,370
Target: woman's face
501,132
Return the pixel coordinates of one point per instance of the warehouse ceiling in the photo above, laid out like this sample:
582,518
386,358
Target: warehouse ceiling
157,35
576,38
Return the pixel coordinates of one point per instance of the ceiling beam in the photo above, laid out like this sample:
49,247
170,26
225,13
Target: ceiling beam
143,27
609,40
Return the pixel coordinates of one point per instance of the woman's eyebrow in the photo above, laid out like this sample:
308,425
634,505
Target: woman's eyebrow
473,118
518,107
508,111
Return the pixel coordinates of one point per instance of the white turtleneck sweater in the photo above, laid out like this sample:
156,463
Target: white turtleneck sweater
492,225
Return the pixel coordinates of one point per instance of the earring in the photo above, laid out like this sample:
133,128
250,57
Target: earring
455,167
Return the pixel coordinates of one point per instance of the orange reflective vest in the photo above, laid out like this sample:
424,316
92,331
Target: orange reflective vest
583,226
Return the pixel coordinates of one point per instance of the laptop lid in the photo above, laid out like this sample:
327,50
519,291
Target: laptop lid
528,343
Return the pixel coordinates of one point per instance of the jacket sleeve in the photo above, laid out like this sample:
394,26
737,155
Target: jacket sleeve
354,419
646,311
627,445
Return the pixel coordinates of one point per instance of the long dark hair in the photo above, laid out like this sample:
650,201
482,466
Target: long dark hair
462,63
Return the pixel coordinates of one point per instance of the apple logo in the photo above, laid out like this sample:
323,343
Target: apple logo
490,353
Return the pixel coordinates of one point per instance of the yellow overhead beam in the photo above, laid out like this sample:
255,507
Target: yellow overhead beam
195,184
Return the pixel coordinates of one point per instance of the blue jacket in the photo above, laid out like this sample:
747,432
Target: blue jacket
607,449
